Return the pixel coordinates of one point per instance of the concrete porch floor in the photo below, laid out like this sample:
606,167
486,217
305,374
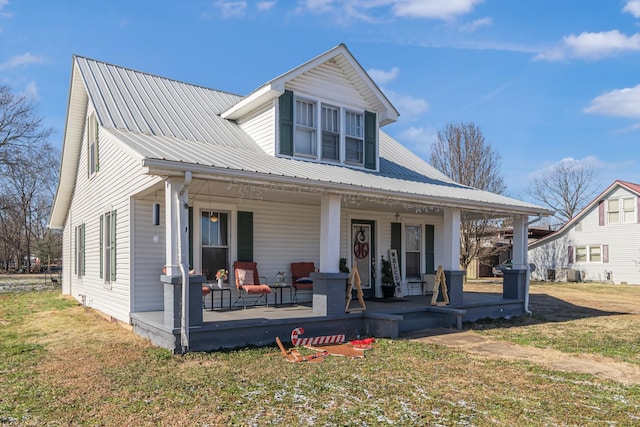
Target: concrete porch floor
259,325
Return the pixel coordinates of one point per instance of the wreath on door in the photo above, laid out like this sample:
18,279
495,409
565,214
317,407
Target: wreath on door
360,246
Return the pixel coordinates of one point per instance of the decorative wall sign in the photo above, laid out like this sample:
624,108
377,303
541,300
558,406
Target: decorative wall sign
395,271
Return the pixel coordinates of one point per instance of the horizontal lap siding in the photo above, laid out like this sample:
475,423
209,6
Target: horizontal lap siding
329,81
119,177
260,127
148,258
284,233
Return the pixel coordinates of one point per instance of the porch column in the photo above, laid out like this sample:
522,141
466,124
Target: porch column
330,234
451,255
515,280
451,246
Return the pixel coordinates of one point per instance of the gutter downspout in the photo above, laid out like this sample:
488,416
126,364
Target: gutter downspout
526,284
184,321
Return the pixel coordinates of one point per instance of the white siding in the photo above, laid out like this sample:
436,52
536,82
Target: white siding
110,189
260,126
622,239
148,257
329,79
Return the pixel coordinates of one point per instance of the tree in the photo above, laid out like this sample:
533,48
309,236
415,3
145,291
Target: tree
20,126
461,152
566,188
28,171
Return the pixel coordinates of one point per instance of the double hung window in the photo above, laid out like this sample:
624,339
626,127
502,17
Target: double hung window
413,253
305,136
214,231
92,144
330,133
108,247
354,130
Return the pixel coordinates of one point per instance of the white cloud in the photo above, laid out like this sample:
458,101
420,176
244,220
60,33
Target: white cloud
618,103
567,162
24,59
433,9
266,5
483,22
592,46
382,77
316,6
31,91
418,139
632,7
408,106
232,9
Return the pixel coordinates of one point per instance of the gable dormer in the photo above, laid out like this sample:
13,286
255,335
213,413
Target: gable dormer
327,110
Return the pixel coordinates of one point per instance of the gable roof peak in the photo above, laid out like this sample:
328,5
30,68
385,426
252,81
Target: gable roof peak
387,113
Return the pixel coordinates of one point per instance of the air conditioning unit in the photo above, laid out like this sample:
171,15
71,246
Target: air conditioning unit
573,275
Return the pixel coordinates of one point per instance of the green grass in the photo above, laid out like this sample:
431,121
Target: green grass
589,329
62,365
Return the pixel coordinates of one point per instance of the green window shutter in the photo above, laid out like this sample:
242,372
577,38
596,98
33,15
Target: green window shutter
370,141
75,257
396,240
113,246
286,123
82,248
101,246
190,237
430,248
245,236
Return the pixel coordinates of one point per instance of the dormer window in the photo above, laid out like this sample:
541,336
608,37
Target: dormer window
319,131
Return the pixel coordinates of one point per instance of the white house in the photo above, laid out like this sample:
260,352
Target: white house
298,170
601,243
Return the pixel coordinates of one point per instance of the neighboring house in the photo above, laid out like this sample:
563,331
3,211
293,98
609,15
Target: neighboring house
158,174
601,243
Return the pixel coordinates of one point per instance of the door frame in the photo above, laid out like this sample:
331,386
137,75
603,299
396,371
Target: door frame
371,291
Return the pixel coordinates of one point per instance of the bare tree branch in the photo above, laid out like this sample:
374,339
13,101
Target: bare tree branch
566,189
461,152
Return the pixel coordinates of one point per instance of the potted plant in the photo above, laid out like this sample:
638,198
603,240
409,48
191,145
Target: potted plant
221,276
388,285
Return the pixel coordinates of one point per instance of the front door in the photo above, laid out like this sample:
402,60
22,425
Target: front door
363,254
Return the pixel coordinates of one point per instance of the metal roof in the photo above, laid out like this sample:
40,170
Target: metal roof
175,125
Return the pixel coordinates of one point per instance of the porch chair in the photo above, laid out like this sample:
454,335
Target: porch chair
300,277
248,282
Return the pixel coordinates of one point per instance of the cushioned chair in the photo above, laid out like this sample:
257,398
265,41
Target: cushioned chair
301,277
248,282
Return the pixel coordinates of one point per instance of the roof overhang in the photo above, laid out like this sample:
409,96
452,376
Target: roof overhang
475,209
387,113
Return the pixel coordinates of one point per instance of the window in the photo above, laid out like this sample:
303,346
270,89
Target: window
311,129
92,144
80,258
613,211
591,253
305,136
629,209
354,129
108,247
412,250
214,231
581,254
330,133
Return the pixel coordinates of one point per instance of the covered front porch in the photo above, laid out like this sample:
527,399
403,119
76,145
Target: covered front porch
225,328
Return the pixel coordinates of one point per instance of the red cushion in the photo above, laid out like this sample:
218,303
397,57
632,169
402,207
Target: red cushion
303,286
257,289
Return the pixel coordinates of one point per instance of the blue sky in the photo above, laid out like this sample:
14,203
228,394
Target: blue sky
547,81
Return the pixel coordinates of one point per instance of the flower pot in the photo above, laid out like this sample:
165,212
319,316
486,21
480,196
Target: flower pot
388,291
220,283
